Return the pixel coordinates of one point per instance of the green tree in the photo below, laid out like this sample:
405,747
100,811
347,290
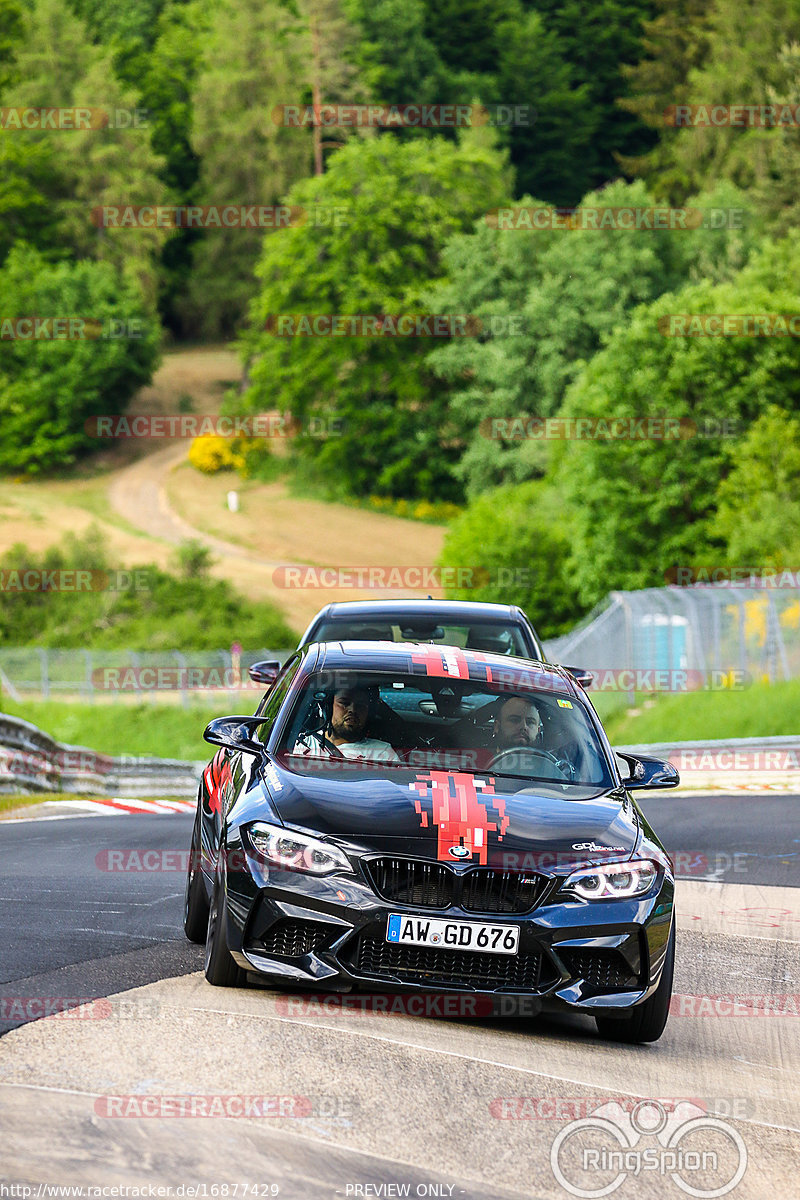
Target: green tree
552,145
378,220
397,61
85,167
758,503
566,291
518,537
740,63
11,26
596,42
51,386
250,66
674,43
644,504
109,21
328,43
159,611
166,77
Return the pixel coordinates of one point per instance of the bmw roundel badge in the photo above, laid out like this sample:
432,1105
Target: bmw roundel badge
459,851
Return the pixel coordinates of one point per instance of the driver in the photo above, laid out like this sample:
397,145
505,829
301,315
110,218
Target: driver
346,730
518,723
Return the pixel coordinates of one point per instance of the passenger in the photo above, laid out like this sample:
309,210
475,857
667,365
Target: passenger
344,730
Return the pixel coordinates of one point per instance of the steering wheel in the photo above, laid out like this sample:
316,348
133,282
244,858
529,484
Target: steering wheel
520,753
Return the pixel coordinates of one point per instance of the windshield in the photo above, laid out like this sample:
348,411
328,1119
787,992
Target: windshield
492,637
387,723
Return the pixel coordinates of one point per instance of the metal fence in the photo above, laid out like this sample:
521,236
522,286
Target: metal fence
114,675
682,638
657,639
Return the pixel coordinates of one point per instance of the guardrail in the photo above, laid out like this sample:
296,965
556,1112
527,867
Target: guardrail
31,761
732,764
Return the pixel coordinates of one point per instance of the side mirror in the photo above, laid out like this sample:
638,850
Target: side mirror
266,671
646,772
235,733
580,675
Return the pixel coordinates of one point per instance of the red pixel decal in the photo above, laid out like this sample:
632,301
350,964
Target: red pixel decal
447,662
461,808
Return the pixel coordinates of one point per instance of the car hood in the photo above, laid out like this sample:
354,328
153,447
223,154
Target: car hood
459,817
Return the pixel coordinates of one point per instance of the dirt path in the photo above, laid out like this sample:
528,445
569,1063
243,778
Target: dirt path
273,529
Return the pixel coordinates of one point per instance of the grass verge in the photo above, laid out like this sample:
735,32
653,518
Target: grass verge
157,730
760,710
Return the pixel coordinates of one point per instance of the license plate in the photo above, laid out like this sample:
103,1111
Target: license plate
404,930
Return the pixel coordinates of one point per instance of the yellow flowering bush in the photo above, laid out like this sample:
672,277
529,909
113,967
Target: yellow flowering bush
415,510
211,454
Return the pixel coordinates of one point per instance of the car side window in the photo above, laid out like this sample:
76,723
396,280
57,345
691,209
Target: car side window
272,700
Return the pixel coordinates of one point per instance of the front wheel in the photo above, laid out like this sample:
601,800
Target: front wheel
221,969
646,1022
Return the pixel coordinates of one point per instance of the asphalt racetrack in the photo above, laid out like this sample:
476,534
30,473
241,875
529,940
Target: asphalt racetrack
176,1085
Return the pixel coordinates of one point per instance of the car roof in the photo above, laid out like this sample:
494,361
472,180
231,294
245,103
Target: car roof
444,662
471,609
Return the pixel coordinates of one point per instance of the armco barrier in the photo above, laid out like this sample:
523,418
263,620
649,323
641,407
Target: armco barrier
732,764
31,761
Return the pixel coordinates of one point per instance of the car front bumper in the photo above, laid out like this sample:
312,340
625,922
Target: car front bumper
599,957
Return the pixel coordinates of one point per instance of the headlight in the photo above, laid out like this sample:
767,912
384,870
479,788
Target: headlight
296,851
612,881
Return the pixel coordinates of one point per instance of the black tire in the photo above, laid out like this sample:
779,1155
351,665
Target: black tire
221,969
646,1022
195,905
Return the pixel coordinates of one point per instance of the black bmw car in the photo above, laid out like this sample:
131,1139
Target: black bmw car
406,817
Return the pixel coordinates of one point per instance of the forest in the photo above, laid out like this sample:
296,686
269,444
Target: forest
566,201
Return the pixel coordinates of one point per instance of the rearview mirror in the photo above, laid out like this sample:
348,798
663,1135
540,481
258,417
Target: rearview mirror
646,772
266,671
235,733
